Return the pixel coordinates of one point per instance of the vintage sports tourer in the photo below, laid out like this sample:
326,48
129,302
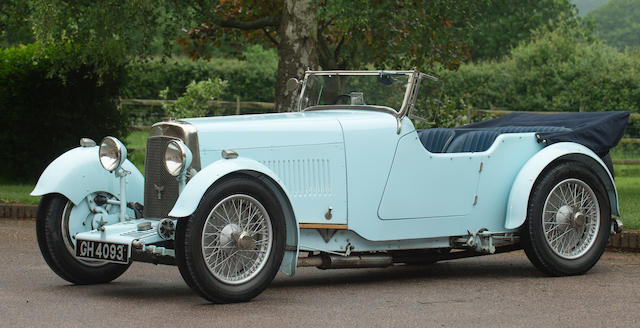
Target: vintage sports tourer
343,181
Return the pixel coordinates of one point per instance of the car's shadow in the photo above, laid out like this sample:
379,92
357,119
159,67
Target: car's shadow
134,289
456,270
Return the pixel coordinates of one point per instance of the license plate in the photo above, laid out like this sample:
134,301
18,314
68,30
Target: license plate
100,250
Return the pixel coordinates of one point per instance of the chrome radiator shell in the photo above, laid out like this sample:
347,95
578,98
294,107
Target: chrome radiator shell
161,189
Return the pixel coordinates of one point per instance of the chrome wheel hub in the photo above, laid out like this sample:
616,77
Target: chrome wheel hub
579,220
563,215
567,215
571,218
236,239
226,235
231,234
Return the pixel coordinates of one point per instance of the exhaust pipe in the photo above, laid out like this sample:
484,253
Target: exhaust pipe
331,261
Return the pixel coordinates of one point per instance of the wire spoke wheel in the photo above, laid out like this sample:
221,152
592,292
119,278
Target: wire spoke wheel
231,247
236,239
568,220
571,218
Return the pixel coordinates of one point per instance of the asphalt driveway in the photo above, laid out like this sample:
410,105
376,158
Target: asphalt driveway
492,291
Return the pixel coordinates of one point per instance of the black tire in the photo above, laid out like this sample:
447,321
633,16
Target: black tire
180,259
551,251
55,250
189,243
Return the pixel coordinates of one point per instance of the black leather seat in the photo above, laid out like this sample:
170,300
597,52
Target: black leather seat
473,141
440,140
437,139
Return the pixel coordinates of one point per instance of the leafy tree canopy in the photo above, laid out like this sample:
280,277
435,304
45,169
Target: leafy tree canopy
329,33
616,22
501,24
350,34
15,27
106,33
562,68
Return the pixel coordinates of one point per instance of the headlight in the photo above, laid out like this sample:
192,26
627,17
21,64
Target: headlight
112,153
177,157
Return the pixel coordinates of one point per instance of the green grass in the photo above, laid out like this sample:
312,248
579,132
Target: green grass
137,139
136,144
628,184
17,193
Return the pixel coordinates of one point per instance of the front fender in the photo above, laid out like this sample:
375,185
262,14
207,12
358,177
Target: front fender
78,172
526,178
190,196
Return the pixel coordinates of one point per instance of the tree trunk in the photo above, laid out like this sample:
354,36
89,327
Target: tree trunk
297,48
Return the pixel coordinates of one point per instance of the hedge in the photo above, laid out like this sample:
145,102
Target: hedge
45,116
591,78
253,79
559,70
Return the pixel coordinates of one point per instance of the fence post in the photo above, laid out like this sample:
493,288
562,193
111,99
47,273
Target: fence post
237,105
468,114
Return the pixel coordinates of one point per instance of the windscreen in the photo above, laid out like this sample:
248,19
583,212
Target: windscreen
371,90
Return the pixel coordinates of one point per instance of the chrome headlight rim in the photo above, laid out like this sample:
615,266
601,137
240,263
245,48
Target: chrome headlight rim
112,153
176,149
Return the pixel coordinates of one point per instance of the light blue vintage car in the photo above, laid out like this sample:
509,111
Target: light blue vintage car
343,181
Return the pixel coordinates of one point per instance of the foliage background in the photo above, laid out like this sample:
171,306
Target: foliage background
617,23
252,77
44,116
561,69
194,101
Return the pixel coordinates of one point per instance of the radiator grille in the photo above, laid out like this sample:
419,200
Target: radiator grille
158,183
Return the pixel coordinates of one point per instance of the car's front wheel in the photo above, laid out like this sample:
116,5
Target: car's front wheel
567,227
57,222
230,249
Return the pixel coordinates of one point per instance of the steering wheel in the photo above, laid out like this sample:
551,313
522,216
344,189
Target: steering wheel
335,101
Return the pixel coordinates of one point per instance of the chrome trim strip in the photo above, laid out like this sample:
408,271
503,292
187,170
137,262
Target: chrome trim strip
361,107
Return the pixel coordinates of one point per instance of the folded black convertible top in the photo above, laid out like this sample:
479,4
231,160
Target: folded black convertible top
598,131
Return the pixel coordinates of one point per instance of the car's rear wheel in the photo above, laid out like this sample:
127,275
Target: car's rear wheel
567,227
230,249
57,222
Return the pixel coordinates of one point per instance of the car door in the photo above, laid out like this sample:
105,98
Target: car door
429,185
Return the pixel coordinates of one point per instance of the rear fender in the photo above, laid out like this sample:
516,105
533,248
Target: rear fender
528,175
78,172
192,193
